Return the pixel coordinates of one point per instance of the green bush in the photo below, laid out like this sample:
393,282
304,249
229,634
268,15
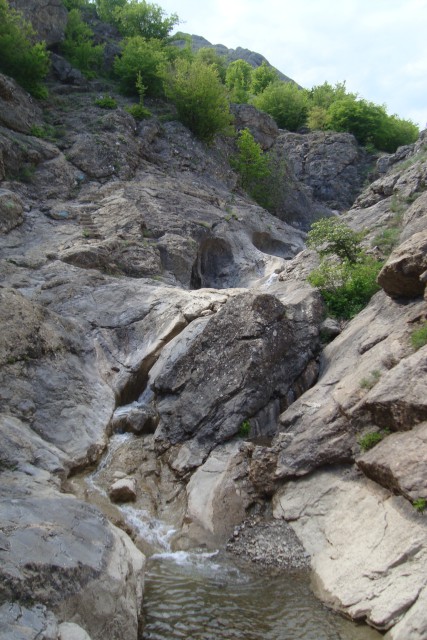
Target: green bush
420,504
369,440
387,239
244,429
106,102
238,80
140,18
286,103
147,57
331,236
210,57
262,77
419,337
78,46
106,8
20,56
199,97
252,165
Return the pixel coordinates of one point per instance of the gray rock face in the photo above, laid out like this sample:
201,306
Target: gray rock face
360,554
261,125
399,462
11,211
401,275
17,621
18,111
48,17
247,355
331,165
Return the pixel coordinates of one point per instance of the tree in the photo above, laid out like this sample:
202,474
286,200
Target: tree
20,55
147,57
286,103
140,18
331,236
323,95
106,9
262,76
78,45
199,97
238,80
252,165
346,276
208,55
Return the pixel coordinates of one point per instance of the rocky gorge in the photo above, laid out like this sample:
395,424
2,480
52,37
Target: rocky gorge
159,333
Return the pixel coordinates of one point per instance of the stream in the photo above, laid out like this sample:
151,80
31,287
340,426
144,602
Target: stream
213,595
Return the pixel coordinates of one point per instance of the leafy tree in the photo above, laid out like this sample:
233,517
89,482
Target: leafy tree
147,57
252,165
262,76
323,95
106,9
318,118
20,56
238,79
346,276
78,46
286,103
199,97
140,18
208,55
331,236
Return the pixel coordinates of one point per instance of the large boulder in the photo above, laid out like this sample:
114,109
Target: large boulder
246,357
18,111
261,125
403,274
48,17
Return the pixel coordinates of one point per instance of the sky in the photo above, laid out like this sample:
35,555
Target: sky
379,47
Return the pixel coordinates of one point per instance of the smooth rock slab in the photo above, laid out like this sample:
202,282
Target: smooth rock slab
400,276
368,548
399,462
21,623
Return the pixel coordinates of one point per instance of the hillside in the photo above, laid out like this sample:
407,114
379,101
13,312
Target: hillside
161,347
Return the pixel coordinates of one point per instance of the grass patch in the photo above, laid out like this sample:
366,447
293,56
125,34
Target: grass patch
419,337
371,380
106,102
420,504
369,440
244,429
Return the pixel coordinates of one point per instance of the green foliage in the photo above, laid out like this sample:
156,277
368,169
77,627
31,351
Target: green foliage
323,95
140,18
238,80
420,504
139,111
20,56
331,236
199,97
371,380
369,440
419,337
244,429
106,102
318,118
106,8
387,239
209,56
147,57
263,76
286,103
75,4
252,165
78,46
346,287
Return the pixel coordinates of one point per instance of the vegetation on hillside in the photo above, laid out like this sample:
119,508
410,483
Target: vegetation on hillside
166,70
347,275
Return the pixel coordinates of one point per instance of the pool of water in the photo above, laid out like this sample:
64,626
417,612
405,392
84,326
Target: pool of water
207,596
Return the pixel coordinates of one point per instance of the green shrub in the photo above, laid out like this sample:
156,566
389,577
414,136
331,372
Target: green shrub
20,57
262,77
78,46
147,57
140,18
238,80
244,429
199,97
419,337
331,236
106,8
420,504
387,239
138,111
209,56
369,440
286,103
251,164
106,102
371,381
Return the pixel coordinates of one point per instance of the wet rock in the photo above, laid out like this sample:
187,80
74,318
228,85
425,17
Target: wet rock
137,419
11,211
123,490
360,566
400,276
399,462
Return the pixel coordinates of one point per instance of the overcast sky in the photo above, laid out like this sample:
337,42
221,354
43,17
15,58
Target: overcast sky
379,47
